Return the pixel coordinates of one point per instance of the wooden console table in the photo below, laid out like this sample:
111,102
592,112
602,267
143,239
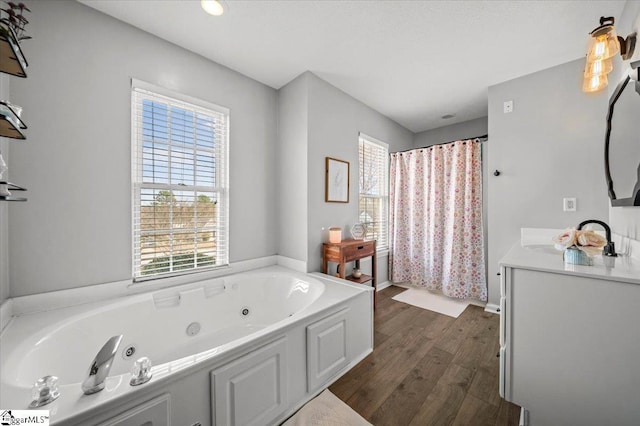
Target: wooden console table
351,251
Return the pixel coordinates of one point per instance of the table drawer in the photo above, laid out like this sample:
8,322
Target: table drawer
358,251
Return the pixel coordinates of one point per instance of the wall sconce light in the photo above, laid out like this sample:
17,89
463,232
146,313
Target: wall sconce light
604,44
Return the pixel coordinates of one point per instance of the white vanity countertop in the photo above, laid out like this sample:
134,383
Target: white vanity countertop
545,258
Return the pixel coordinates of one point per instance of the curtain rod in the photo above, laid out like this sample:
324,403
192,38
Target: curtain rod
485,137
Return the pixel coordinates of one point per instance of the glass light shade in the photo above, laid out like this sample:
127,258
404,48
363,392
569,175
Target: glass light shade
603,44
594,83
603,66
212,7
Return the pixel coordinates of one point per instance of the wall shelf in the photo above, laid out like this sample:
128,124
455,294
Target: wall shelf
12,187
12,60
11,125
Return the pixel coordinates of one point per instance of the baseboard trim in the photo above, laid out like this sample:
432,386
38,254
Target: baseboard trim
384,285
524,418
494,309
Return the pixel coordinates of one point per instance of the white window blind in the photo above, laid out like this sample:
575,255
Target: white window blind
180,183
374,189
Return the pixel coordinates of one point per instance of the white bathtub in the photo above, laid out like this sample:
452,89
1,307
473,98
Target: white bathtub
233,313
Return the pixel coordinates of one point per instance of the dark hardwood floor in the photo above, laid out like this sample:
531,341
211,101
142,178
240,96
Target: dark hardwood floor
428,369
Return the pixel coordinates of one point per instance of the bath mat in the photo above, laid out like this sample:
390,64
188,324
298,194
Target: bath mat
326,409
432,301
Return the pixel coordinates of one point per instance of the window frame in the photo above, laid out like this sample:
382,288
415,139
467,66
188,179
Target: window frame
137,184
364,138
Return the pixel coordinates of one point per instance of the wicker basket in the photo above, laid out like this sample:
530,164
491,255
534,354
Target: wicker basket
575,256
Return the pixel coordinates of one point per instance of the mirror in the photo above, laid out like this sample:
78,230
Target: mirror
622,143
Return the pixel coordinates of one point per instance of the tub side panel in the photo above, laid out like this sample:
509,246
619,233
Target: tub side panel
360,327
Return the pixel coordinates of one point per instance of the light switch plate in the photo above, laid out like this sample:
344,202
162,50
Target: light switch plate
569,204
508,107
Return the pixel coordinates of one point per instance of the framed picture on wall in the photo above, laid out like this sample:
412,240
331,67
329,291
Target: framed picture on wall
336,181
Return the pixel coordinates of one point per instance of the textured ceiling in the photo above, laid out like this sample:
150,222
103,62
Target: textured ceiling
413,61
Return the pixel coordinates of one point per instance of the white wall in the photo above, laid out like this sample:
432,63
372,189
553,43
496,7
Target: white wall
549,147
293,110
625,220
335,119
76,226
317,120
453,132
75,230
4,206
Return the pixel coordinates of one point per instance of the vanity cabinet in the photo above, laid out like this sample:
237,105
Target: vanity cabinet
570,345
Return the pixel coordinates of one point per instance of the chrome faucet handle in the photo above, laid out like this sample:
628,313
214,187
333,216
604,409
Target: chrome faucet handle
44,391
100,366
141,371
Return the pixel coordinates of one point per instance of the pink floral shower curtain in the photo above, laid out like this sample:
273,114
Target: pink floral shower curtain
436,219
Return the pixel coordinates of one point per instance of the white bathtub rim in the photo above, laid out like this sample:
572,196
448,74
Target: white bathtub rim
295,264
123,401
46,321
60,316
224,352
6,314
40,302
37,326
78,409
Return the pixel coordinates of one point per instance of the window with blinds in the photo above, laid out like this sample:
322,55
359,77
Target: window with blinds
374,189
180,183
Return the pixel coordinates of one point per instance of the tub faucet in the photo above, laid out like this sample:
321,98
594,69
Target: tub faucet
100,366
610,248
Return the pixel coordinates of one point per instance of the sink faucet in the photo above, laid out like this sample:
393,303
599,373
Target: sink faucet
610,248
100,366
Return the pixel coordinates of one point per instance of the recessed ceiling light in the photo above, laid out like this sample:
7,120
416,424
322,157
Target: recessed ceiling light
212,7
447,116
